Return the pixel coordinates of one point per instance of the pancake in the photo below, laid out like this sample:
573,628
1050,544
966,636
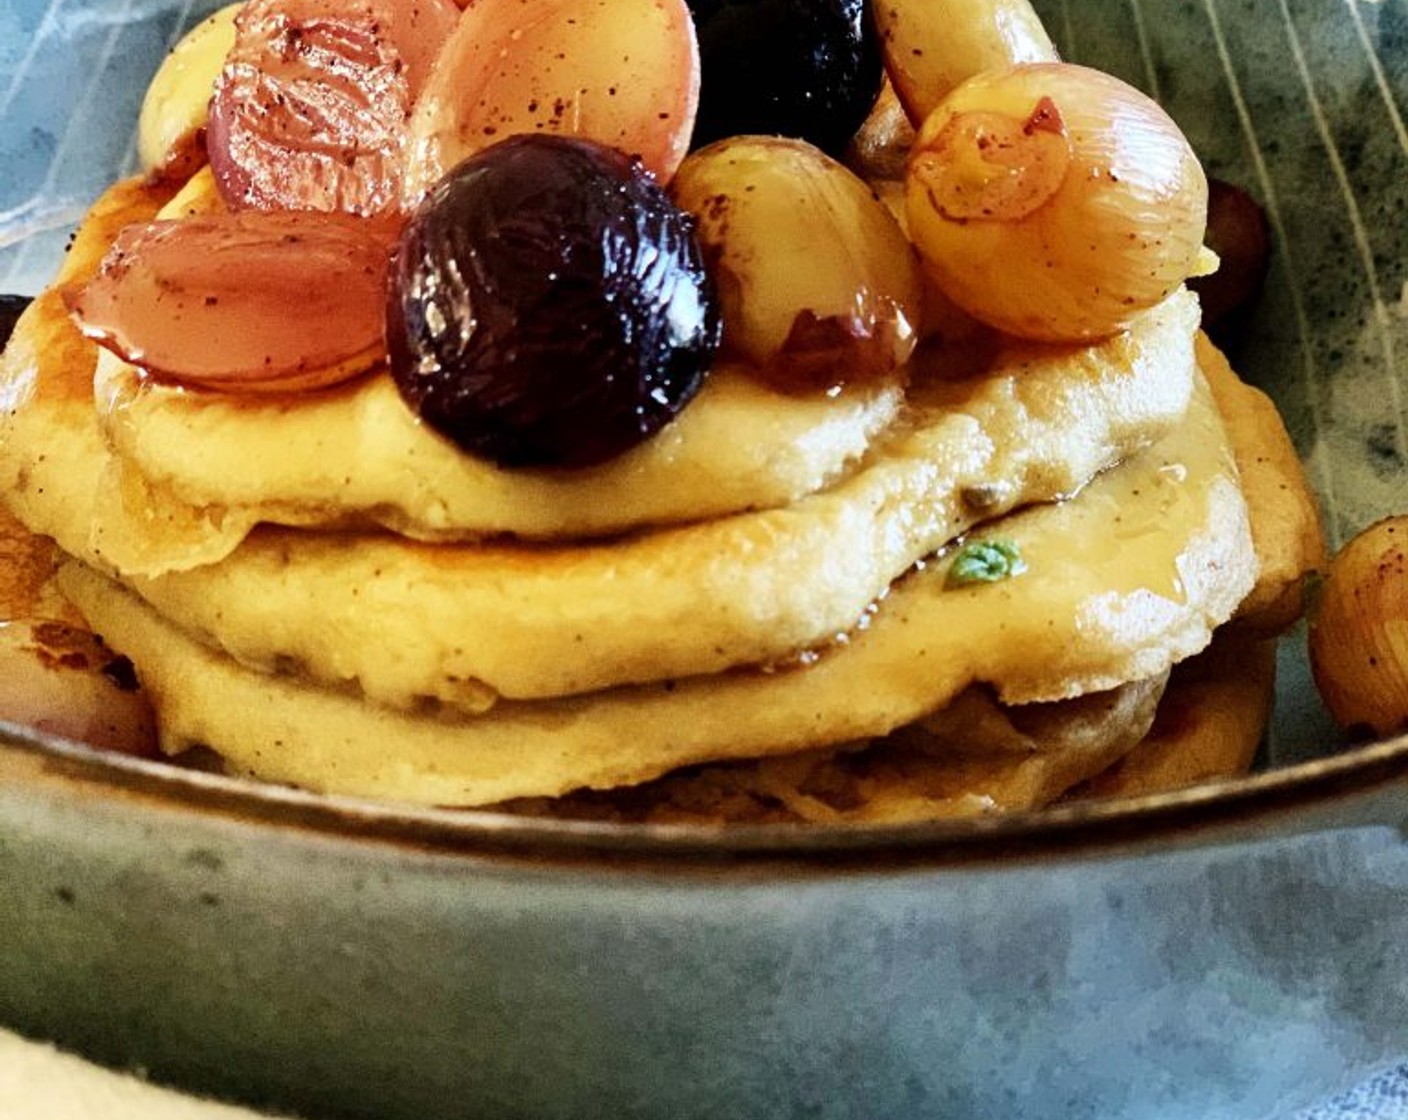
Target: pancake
214,468
1202,722
1122,582
1289,538
404,623
27,566
1208,727
973,757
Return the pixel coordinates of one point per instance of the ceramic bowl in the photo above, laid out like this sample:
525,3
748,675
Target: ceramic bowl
1232,951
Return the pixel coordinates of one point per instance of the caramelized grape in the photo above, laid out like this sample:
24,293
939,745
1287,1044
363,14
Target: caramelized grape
1358,639
312,108
931,48
1054,202
817,283
206,302
808,69
548,304
622,72
1240,235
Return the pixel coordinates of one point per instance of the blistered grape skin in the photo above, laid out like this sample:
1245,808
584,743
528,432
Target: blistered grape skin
548,305
808,69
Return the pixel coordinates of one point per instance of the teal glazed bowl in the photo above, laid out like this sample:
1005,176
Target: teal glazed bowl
1236,951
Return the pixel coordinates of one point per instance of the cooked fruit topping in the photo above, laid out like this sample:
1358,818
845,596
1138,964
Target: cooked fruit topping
818,285
930,48
1240,235
311,110
803,68
621,72
548,304
1358,639
252,302
1054,202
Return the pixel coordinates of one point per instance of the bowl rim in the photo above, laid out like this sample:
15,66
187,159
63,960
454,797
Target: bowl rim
1360,786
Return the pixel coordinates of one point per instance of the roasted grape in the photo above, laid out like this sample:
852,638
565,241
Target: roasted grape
1358,639
312,108
549,305
804,68
817,283
205,302
931,47
1240,235
1055,202
621,72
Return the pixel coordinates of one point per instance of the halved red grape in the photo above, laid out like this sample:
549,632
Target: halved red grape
548,304
621,72
260,301
312,108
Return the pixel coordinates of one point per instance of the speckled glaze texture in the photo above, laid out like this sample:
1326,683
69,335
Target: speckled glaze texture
1234,954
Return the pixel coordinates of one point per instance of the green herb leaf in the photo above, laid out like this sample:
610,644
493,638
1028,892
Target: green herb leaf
985,562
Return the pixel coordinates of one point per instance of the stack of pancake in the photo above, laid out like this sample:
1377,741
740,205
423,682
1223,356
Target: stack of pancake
752,617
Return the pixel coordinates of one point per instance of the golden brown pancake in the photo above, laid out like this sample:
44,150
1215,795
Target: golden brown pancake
1204,722
1209,724
358,455
1094,610
750,617
973,757
406,622
26,575
1289,538
1123,581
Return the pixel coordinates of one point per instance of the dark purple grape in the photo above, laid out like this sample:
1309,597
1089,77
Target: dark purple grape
11,307
1239,233
809,69
548,305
